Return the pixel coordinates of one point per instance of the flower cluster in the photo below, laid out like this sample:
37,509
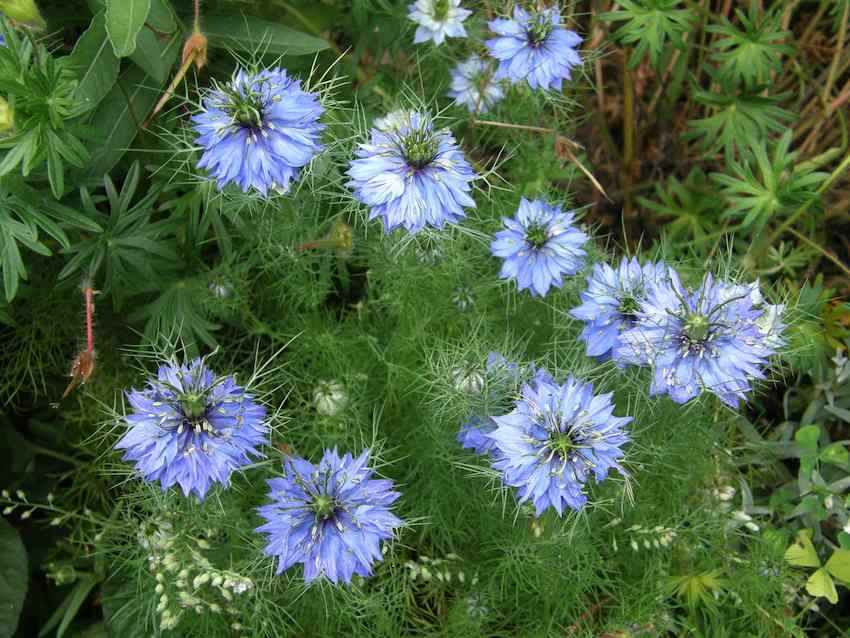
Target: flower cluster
539,246
717,338
411,174
329,517
530,46
554,439
258,131
191,428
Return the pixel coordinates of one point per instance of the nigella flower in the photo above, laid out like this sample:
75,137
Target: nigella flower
258,130
610,302
438,19
539,246
709,339
473,85
554,439
411,174
192,428
330,517
534,47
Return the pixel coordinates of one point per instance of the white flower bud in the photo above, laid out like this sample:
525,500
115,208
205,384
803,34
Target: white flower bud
330,398
467,381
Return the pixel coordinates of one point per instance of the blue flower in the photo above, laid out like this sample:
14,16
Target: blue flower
412,175
329,517
539,246
473,85
610,302
192,428
438,19
554,439
258,131
534,47
711,339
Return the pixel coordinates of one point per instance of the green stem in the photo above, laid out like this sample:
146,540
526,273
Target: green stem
43,451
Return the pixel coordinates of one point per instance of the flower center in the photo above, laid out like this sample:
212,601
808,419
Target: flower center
696,327
561,444
629,307
420,149
537,235
441,10
194,406
539,30
324,507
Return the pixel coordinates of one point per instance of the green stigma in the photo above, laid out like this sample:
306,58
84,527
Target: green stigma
419,148
194,406
441,9
561,444
537,235
696,327
324,506
539,30
628,307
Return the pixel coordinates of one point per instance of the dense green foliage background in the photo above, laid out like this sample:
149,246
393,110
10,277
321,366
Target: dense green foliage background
713,134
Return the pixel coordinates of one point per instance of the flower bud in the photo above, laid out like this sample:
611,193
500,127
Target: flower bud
331,398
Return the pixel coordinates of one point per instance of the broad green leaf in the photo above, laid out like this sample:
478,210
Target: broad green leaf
821,584
253,34
124,19
158,44
119,118
801,552
14,575
94,63
839,565
807,437
835,453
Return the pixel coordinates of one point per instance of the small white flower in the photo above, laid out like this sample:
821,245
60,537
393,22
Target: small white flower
331,398
438,19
